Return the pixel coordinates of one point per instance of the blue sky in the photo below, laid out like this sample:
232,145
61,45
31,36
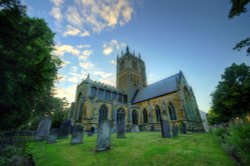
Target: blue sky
171,35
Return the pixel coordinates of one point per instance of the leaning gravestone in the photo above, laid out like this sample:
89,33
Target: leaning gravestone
120,125
135,128
53,136
77,134
104,135
175,130
184,128
42,132
165,129
65,128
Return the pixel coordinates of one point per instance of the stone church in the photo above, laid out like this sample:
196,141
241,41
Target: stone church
144,105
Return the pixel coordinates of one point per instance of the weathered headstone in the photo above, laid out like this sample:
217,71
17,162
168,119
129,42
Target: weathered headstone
175,130
152,127
43,129
121,125
65,128
184,128
92,131
77,134
104,135
135,128
165,129
53,136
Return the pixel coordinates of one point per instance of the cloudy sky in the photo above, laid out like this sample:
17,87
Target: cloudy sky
171,35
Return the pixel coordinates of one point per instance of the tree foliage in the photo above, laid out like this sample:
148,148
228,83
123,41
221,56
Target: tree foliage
231,97
27,67
239,7
213,118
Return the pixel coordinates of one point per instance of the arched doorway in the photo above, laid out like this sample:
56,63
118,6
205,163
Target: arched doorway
158,113
145,116
103,113
134,117
172,111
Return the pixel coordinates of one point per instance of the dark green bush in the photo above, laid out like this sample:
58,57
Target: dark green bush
238,142
8,153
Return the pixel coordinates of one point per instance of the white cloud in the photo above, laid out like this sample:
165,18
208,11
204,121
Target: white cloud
109,47
60,50
85,33
73,79
61,77
71,31
113,62
87,65
73,16
56,10
57,2
56,13
65,63
68,92
83,46
91,16
105,77
74,69
107,50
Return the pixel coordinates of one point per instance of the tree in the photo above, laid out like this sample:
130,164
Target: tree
231,97
27,67
213,118
239,7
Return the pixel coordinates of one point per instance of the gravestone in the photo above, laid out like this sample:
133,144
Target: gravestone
92,131
175,130
104,135
53,136
65,128
135,128
165,129
184,128
120,125
43,129
77,134
152,127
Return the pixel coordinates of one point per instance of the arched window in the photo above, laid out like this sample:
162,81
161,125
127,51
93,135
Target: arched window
145,116
172,112
134,117
158,113
93,91
103,113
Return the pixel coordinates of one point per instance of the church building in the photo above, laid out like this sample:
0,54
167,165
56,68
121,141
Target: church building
144,105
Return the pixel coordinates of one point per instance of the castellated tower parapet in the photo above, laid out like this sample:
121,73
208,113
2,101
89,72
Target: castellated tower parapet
131,73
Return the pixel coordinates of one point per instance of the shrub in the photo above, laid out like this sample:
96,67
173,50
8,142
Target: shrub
238,139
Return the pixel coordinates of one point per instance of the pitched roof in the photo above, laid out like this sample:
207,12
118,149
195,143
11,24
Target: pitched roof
165,86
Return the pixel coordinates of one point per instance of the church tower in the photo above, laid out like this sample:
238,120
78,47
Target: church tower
130,73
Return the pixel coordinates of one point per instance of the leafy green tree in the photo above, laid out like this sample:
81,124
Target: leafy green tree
213,118
239,7
231,97
27,67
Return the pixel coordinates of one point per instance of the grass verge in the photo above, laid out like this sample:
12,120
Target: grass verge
144,148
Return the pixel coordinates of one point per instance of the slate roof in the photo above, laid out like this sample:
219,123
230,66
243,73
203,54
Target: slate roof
165,86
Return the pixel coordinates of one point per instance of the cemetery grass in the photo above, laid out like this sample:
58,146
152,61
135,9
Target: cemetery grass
144,148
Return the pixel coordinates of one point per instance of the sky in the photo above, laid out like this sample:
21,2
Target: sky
193,36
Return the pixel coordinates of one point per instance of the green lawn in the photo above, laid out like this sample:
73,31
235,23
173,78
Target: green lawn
144,148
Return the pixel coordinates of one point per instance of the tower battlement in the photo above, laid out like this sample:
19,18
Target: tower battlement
131,73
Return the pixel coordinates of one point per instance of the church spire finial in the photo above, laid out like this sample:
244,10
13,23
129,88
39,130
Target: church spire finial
127,50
